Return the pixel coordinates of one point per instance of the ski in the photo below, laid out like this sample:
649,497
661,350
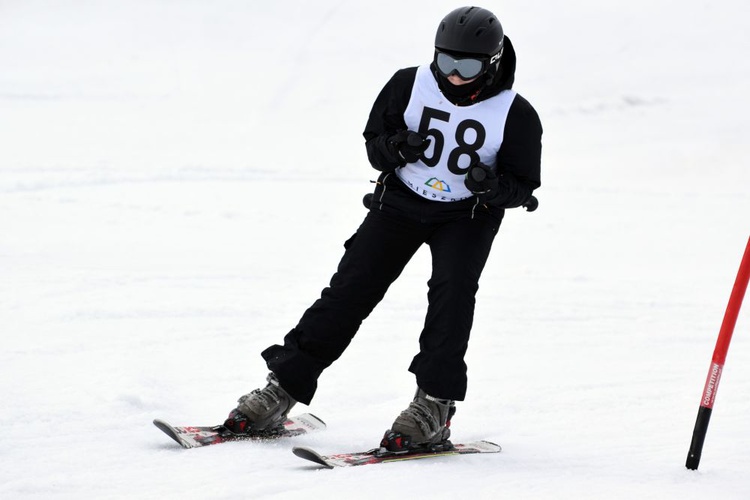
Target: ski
381,456
196,437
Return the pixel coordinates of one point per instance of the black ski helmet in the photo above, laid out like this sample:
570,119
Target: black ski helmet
470,30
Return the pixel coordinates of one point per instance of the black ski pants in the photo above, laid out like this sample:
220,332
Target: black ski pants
459,235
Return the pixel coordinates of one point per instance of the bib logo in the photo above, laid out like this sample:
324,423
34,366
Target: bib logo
438,185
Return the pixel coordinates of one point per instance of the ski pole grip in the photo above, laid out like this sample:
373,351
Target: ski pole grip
532,204
477,174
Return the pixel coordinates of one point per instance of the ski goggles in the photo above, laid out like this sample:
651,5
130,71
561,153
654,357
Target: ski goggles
465,67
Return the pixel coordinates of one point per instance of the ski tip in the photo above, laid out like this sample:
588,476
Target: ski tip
311,455
170,431
163,425
485,446
323,424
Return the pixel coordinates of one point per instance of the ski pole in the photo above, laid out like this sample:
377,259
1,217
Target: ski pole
717,361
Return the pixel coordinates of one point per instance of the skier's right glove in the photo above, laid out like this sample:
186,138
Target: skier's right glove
407,146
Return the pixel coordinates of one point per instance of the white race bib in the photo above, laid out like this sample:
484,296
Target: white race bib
459,135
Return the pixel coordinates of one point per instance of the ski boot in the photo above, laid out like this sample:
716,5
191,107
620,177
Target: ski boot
262,412
424,425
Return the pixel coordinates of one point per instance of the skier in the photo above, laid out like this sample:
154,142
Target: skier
455,146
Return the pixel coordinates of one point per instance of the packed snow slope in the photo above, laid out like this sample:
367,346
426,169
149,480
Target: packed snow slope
176,182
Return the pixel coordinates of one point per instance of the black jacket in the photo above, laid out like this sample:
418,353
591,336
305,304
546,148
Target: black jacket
519,157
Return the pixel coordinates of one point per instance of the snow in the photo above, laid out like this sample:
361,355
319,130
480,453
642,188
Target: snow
177,179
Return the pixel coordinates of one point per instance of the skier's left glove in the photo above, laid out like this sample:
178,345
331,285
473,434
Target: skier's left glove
481,180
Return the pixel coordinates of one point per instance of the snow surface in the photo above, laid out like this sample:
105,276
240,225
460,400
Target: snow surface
176,182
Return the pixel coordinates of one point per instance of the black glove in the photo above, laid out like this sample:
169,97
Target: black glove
407,146
481,180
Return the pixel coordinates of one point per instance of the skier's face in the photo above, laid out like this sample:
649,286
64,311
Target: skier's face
457,80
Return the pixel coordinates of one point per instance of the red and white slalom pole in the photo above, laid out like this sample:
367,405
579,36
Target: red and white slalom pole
717,362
